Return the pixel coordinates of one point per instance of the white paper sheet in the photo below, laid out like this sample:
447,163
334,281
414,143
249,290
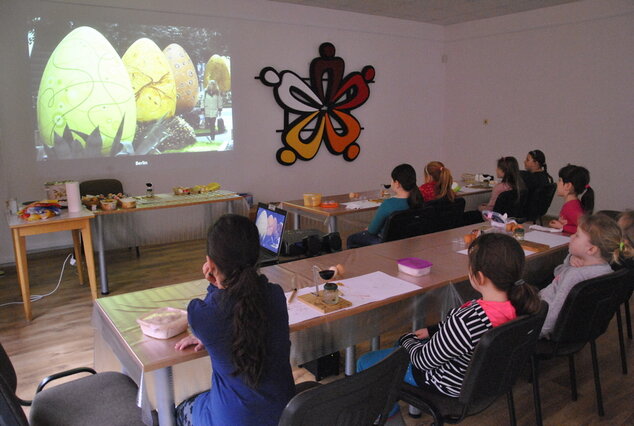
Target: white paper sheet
466,189
545,229
526,252
359,291
547,238
362,204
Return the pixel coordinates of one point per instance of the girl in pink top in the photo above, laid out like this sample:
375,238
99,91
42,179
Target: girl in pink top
509,172
574,182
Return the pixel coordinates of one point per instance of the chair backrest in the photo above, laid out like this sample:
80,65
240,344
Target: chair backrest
539,201
11,412
355,400
408,223
498,359
508,202
589,308
100,186
448,214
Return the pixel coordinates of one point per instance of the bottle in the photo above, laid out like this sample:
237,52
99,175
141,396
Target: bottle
149,192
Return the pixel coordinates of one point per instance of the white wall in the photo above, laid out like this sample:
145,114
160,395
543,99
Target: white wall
559,79
404,113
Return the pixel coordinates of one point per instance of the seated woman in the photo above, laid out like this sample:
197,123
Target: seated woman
243,325
509,173
407,197
535,174
438,182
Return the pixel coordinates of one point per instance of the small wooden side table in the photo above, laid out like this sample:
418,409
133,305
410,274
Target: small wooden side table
77,223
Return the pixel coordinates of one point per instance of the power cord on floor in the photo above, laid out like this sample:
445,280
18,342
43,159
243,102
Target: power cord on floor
36,297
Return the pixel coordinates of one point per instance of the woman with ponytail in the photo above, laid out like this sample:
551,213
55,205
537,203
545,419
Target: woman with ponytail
438,182
407,197
243,325
574,182
440,354
535,173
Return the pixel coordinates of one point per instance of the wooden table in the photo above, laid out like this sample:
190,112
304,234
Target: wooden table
149,360
159,201
330,215
77,223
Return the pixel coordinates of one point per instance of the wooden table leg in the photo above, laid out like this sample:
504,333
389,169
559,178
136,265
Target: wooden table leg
78,255
19,248
90,260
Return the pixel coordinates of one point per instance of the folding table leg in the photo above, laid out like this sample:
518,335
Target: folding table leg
165,396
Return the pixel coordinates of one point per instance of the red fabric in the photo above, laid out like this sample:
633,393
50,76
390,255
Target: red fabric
571,212
497,312
428,191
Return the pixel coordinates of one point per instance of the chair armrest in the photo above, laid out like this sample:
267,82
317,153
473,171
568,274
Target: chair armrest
301,387
66,373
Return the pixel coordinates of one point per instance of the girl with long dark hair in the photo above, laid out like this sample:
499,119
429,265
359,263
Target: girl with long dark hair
407,196
243,325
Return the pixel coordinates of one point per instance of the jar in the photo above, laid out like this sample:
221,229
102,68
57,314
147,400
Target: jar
330,295
518,233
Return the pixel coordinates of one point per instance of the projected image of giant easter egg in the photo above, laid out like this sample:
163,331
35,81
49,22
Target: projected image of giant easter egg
84,86
218,68
152,80
184,76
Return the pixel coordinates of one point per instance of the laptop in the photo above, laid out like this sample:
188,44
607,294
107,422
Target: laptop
270,224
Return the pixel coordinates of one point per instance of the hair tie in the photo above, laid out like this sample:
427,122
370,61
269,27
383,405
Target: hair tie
588,186
519,282
621,246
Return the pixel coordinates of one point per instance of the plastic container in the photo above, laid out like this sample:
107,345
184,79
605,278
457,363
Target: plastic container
414,266
163,323
108,204
312,199
128,203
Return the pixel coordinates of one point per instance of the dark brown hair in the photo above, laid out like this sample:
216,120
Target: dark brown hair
501,259
406,176
579,177
512,176
233,244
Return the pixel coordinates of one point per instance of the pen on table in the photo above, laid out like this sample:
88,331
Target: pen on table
293,293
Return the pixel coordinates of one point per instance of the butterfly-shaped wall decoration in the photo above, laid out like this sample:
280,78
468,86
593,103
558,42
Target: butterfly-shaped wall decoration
319,108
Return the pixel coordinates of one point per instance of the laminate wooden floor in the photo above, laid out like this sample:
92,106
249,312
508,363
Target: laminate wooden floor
61,337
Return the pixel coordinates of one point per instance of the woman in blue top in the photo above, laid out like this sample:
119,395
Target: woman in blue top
243,325
408,196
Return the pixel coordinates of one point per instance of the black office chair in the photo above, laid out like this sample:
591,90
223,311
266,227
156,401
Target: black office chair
105,187
409,223
364,398
99,399
495,365
539,201
509,203
623,298
448,213
100,186
584,317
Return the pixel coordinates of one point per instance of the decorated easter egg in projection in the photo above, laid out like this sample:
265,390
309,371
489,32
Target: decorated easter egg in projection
218,68
84,86
184,76
152,80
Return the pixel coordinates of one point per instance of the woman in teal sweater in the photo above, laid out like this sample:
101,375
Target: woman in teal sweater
407,197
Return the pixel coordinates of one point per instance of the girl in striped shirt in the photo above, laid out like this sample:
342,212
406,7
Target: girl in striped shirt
440,355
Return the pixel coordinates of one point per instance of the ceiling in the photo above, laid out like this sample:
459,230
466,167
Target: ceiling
441,12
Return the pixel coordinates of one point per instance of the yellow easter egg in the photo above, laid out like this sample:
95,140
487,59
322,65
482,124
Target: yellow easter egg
84,86
152,80
218,68
184,76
